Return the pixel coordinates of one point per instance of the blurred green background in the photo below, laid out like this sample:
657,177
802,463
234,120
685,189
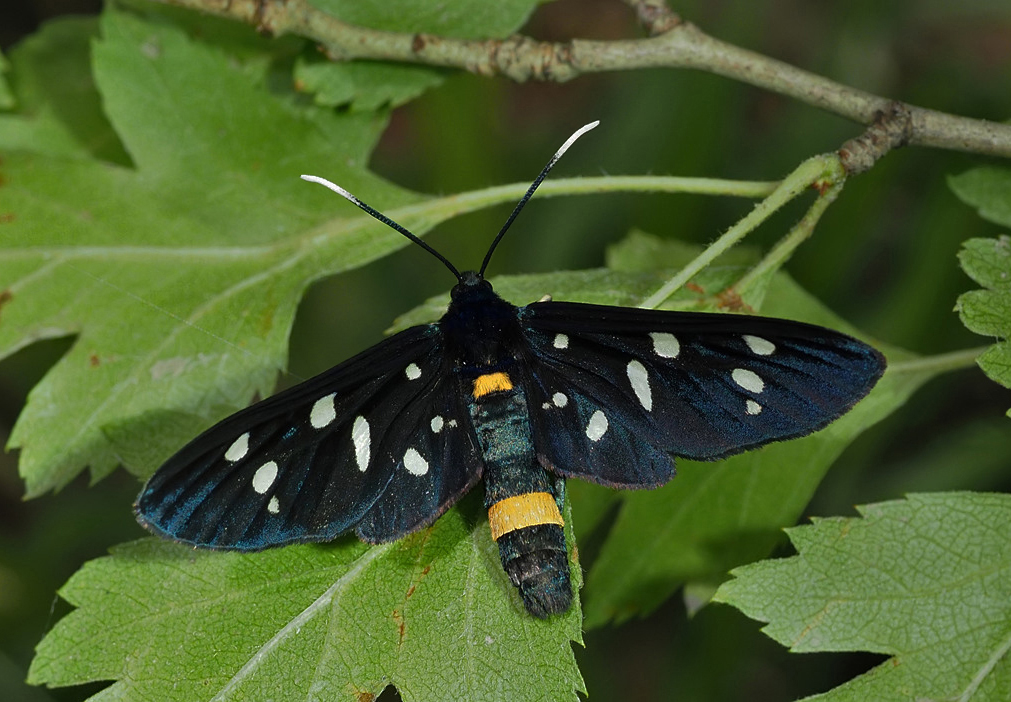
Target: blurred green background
883,257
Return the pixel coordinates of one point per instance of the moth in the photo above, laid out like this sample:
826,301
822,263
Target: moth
520,398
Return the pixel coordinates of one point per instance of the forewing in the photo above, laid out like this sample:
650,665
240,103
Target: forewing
437,462
306,464
701,386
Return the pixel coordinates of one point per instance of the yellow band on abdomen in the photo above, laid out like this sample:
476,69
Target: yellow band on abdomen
522,511
491,382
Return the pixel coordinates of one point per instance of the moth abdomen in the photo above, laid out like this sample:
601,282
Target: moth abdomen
523,511
537,563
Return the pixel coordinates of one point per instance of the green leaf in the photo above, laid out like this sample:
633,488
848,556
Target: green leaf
988,311
464,19
925,580
211,234
988,189
364,85
429,614
368,85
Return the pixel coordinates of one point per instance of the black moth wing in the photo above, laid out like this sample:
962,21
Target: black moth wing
324,456
614,390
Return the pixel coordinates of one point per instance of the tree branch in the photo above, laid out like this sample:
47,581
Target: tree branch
678,44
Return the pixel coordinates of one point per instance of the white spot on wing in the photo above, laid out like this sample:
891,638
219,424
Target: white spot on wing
758,345
748,380
665,345
323,412
415,463
559,399
238,449
596,426
639,379
752,407
264,477
451,423
437,423
413,372
561,341
274,506
360,437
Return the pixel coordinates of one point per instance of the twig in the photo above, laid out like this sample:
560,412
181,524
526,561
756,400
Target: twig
679,45
813,170
891,128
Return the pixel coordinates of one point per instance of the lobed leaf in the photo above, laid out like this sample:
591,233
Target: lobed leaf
153,210
988,311
428,614
925,580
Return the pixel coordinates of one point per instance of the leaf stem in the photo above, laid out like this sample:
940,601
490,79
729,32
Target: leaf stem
421,215
939,363
810,171
800,232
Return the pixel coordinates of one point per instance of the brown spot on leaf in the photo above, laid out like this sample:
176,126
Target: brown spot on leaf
695,288
93,361
365,697
401,625
6,217
730,299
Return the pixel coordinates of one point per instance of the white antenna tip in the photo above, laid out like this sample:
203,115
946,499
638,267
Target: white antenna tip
578,133
332,186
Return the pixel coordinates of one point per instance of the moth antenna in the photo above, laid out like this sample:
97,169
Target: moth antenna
533,186
384,219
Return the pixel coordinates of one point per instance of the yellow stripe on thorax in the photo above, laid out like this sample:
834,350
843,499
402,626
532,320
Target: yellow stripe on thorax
491,382
523,511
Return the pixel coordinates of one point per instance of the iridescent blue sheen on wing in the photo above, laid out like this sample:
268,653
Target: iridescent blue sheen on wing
701,386
321,458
